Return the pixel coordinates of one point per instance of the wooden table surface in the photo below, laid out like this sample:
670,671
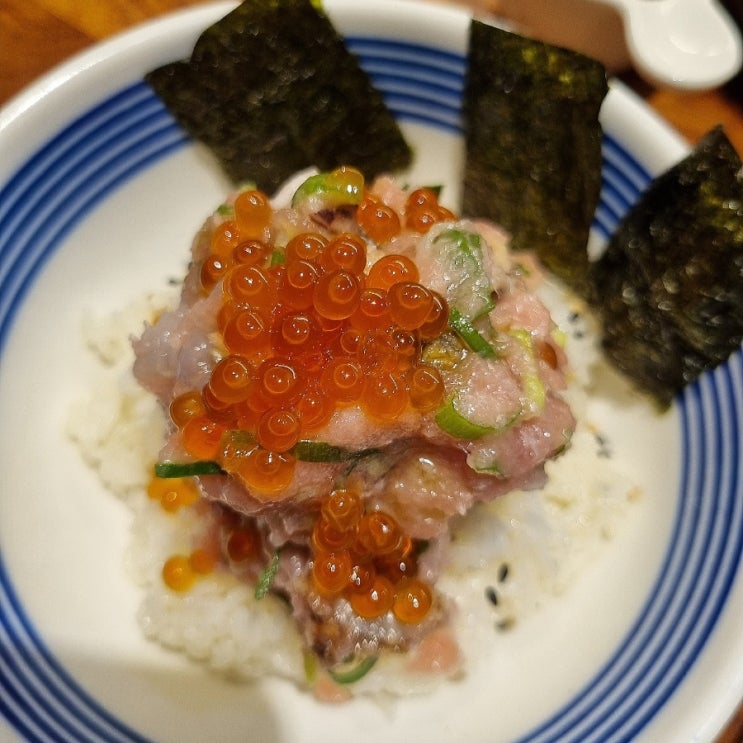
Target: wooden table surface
35,35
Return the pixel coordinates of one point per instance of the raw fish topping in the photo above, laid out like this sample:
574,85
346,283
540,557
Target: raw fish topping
343,376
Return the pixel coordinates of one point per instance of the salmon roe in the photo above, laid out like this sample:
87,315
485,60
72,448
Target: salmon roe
365,558
422,210
390,269
178,573
346,251
305,328
185,406
202,561
253,213
357,554
379,221
225,239
413,600
243,543
410,304
250,252
173,492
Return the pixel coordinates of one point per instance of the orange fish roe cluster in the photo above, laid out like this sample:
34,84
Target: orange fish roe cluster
180,572
236,544
422,210
173,493
306,330
364,557
241,542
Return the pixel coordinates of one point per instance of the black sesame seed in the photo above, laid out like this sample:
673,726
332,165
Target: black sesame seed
491,595
604,450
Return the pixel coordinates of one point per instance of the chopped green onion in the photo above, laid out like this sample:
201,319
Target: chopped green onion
449,419
469,289
522,269
187,469
330,189
353,674
559,336
492,469
310,668
267,576
304,451
471,337
320,451
534,388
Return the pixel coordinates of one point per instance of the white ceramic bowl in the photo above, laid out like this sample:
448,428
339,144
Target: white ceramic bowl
100,194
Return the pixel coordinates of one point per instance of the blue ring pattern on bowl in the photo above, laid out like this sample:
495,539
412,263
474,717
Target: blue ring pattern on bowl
130,131
622,179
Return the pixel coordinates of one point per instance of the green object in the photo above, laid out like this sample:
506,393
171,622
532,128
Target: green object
310,667
449,419
533,145
304,451
267,576
329,190
320,451
470,335
356,671
278,257
271,88
669,288
468,286
532,383
187,469
492,468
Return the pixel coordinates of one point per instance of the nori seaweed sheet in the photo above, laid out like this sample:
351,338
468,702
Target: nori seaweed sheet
533,145
271,88
669,288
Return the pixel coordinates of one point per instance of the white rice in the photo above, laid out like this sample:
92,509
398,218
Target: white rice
523,548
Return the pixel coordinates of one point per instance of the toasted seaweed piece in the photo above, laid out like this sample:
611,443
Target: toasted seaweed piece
669,288
271,88
533,145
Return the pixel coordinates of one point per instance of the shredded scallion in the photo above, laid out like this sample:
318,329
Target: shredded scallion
187,469
355,672
266,577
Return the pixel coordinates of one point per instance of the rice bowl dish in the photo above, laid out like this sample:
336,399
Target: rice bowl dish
607,610
510,551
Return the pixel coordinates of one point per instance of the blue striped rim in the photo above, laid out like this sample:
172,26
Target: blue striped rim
59,185
622,178
128,132
40,699
698,572
420,84
39,205
446,67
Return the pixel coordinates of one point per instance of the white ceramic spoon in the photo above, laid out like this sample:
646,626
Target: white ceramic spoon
690,44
